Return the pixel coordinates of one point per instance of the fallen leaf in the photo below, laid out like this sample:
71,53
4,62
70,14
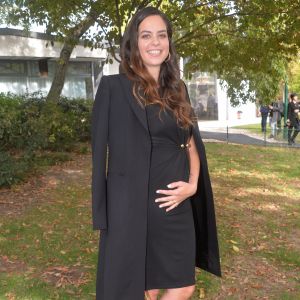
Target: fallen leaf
202,293
233,242
235,248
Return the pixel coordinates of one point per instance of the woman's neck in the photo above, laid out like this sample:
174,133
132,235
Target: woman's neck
154,72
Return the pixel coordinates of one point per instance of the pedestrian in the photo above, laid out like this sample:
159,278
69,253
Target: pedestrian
154,204
275,116
293,121
264,112
281,116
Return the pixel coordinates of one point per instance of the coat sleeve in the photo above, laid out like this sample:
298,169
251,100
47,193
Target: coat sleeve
207,256
99,139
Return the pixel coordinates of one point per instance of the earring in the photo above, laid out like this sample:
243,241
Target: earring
169,57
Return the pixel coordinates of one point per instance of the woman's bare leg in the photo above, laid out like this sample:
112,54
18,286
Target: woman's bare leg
183,293
151,294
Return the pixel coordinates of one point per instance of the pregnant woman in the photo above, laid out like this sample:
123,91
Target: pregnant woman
154,205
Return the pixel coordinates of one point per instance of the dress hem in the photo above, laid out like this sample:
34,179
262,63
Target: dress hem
171,286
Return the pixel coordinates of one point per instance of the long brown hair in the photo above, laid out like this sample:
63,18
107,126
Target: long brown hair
172,92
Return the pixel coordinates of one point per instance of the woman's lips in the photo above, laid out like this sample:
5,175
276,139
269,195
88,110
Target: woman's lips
154,52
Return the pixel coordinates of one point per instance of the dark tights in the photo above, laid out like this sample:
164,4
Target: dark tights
292,135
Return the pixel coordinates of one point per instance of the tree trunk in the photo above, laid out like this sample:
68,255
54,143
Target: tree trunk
62,64
60,73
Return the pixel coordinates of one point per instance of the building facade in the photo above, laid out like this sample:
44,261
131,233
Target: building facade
211,103
27,64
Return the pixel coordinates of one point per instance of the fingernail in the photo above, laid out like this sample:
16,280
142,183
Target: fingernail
156,200
157,191
169,185
160,206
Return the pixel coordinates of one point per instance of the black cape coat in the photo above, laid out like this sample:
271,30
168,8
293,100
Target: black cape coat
120,194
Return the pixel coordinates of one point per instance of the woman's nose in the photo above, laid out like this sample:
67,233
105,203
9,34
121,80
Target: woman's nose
155,40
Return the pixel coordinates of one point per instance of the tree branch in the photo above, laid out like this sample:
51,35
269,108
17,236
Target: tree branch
211,20
133,4
132,11
118,21
111,46
158,3
143,4
194,7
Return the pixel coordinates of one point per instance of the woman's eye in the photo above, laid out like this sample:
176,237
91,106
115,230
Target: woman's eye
163,36
146,36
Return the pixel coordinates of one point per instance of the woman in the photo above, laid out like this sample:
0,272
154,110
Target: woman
154,206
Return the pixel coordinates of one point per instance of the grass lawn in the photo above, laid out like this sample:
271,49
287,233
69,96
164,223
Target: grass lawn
256,130
49,251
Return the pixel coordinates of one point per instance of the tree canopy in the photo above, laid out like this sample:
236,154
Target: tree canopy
247,43
294,75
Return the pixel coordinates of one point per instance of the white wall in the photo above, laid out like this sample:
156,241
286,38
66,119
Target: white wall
17,46
229,114
111,69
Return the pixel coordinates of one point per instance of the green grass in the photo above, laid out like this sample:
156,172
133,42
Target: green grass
256,129
287,296
57,233
256,197
286,257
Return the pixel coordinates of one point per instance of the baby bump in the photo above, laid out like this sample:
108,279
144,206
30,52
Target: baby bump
164,170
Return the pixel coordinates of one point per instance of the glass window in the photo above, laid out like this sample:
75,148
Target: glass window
79,68
203,93
34,70
12,68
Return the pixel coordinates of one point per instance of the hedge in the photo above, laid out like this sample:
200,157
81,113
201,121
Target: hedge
29,124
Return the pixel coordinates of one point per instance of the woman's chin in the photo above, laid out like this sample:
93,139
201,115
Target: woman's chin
154,63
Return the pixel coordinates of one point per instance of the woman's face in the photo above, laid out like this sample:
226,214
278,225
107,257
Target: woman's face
153,42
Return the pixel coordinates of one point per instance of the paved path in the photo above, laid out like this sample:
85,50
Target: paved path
241,136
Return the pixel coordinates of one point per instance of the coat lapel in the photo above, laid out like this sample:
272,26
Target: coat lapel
139,111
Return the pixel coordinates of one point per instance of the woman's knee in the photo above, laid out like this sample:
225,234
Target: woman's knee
182,293
151,294
188,291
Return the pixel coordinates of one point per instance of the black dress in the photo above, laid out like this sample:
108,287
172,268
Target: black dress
170,256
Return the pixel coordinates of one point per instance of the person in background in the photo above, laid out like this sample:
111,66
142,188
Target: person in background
275,117
281,109
264,111
293,121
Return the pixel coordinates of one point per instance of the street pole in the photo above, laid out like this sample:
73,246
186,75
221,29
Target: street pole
286,101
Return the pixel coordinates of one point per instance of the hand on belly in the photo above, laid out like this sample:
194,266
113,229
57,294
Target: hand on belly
180,191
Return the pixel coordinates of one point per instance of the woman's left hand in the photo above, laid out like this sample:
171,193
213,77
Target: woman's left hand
181,190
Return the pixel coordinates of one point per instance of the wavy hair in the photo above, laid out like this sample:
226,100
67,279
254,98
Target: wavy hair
170,91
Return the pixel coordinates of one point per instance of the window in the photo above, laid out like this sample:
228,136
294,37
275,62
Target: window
203,93
79,68
12,68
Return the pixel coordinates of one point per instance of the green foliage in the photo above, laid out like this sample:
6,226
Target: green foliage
29,124
294,76
247,43
9,116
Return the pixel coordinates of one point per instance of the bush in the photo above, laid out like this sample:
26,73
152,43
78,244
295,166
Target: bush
28,123
13,169
9,119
